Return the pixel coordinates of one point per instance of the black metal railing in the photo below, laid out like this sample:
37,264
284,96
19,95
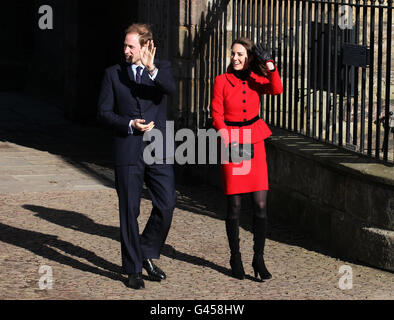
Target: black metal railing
334,58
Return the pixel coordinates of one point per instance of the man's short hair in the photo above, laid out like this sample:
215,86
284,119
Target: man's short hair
143,30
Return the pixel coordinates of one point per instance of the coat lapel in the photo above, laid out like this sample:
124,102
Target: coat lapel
145,79
232,79
141,88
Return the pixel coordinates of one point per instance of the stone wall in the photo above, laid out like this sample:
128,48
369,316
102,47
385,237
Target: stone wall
342,199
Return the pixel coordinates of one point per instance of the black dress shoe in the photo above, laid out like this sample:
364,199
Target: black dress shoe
154,272
136,281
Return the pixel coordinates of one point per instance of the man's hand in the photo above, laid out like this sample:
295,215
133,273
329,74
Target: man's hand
139,125
147,53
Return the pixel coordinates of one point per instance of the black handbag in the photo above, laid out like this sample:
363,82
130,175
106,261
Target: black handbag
236,153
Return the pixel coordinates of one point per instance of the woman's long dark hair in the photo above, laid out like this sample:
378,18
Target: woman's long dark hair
254,64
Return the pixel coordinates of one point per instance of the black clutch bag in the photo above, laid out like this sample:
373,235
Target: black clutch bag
238,152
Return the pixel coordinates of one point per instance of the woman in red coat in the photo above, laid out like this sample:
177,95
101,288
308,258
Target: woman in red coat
235,113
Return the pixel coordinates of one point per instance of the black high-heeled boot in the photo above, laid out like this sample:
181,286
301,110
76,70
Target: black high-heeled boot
259,267
232,229
260,231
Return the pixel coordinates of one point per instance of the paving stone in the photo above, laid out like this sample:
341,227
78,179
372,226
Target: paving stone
76,233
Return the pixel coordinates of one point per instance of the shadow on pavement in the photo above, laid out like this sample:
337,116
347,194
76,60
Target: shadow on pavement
76,221
170,252
46,246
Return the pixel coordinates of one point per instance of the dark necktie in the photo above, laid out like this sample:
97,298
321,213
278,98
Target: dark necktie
138,75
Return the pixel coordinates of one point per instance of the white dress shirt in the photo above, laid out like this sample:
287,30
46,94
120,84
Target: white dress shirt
153,77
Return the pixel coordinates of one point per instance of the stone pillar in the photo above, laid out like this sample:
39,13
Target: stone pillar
203,37
160,15
184,58
185,31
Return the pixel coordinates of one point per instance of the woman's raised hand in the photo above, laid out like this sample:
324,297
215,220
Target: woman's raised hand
262,53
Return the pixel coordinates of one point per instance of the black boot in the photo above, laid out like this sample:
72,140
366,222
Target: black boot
232,229
259,267
260,232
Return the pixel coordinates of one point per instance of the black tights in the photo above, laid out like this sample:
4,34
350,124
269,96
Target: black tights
259,205
259,221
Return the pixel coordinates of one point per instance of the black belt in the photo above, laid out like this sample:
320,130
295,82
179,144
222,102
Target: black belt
242,123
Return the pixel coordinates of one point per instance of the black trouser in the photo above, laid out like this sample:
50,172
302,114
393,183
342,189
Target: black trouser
159,179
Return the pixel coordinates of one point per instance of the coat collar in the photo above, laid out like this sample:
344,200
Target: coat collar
145,79
234,80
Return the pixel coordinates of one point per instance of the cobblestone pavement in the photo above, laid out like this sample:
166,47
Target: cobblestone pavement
58,208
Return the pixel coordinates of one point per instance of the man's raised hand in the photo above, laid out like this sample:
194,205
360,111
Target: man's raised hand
148,52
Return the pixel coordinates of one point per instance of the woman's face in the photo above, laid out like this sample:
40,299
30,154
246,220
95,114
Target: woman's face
239,57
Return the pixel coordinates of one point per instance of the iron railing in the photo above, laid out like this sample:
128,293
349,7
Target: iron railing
334,58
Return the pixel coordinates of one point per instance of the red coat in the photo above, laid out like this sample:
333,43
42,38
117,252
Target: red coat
239,101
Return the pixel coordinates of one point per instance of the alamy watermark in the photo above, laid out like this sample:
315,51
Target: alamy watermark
346,280
46,20
198,149
46,280
345,20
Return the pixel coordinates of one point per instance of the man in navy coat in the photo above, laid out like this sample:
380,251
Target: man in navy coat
133,101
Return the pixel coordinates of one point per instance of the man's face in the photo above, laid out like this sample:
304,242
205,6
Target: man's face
132,48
